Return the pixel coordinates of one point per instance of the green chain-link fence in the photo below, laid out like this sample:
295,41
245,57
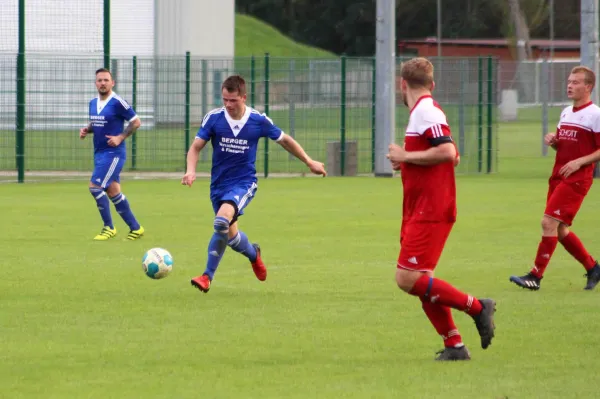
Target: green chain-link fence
318,101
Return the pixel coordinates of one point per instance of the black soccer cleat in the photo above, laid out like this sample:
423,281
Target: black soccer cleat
593,277
528,281
484,322
453,354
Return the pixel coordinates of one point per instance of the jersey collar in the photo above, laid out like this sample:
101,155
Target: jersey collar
419,100
237,125
100,105
575,109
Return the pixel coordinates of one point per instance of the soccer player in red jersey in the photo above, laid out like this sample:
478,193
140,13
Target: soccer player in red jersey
577,145
427,162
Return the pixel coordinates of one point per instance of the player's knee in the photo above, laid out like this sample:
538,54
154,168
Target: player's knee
113,191
563,231
96,191
550,226
221,225
406,279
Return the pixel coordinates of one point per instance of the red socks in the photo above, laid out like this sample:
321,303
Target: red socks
573,245
544,253
441,318
440,292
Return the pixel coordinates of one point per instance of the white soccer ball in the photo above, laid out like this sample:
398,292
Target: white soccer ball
157,263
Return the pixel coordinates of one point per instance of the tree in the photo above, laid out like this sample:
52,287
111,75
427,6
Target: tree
350,28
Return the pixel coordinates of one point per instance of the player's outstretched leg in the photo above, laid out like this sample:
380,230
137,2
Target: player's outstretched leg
532,280
440,292
441,319
108,230
575,247
216,249
122,206
241,244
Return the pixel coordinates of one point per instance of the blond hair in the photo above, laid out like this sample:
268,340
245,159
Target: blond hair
590,76
418,72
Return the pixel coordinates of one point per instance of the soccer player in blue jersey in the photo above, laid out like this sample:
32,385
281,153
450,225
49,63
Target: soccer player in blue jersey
234,132
108,112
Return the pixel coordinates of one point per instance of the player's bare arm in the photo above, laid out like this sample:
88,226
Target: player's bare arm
550,140
571,167
294,148
445,152
84,131
192,160
134,125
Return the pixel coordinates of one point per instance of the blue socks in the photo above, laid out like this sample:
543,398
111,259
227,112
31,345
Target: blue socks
217,245
103,206
123,209
240,244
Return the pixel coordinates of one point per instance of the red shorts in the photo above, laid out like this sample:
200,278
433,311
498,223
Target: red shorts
565,199
421,245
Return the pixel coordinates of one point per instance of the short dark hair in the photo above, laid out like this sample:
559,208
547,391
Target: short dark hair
235,83
104,70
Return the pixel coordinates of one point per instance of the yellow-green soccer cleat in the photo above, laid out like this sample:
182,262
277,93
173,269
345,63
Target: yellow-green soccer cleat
106,234
135,234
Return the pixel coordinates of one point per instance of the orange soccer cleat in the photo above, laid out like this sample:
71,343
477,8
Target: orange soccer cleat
202,282
259,268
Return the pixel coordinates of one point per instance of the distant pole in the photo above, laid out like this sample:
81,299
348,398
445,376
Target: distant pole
266,140
439,28
385,101
21,96
589,44
544,97
551,68
134,106
106,33
589,38
187,111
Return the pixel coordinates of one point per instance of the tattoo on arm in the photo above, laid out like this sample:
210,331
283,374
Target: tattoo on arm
129,130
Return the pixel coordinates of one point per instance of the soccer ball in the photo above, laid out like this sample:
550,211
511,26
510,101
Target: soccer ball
157,263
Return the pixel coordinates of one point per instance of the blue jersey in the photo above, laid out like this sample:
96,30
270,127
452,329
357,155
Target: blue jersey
107,118
234,144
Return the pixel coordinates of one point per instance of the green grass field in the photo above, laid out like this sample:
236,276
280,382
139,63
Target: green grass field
80,320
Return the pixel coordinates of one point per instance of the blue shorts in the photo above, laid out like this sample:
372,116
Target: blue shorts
240,195
107,169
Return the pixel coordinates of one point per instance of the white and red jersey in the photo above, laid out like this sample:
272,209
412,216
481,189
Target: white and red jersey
429,191
577,135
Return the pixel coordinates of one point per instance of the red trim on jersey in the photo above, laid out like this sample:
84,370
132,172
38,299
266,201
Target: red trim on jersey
419,100
575,109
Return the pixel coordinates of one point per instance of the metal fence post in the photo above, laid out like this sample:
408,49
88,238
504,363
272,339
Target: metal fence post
205,105
187,102
343,117
490,115
464,73
134,105
545,92
292,101
106,34
266,172
252,81
373,111
20,131
479,114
